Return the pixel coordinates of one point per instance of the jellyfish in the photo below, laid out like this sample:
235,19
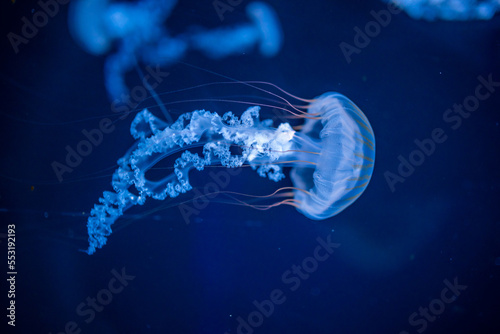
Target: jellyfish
262,30
137,28
343,159
449,10
331,158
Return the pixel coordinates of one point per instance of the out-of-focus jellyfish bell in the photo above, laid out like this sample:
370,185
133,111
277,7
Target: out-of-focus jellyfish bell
344,139
263,30
87,24
96,24
267,22
450,10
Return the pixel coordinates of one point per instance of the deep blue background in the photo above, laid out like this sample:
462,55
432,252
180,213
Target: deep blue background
396,247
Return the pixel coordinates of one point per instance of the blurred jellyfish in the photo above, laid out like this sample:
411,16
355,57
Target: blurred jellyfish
263,30
451,10
332,158
137,29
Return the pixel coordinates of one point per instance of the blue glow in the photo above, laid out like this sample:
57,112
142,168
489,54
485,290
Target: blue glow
450,10
332,158
137,29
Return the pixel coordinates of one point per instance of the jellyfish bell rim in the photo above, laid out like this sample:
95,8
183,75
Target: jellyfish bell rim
87,28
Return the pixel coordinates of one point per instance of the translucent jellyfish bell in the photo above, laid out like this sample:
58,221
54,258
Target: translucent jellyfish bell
268,26
449,10
342,135
264,30
88,27
97,24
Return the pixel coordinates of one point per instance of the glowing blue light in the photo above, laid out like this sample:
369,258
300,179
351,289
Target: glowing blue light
137,31
451,10
332,158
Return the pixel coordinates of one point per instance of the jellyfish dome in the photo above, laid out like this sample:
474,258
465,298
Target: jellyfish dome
268,26
343,139
449,10
262,30
88,26
97,24
332,158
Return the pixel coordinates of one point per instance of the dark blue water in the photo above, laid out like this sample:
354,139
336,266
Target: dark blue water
415,256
